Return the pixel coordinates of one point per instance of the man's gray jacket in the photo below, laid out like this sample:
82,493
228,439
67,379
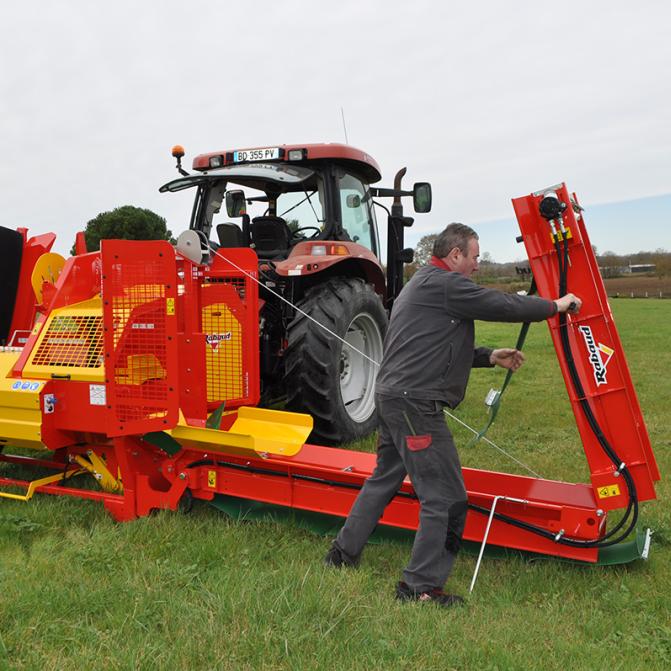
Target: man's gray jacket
429,347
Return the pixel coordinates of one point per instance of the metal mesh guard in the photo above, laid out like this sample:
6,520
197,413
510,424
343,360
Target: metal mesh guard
224,324
71,341
138,296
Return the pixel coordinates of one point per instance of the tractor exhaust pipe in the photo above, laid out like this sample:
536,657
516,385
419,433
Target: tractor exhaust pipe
396,254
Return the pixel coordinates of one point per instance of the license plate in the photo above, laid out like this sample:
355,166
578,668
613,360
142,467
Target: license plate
264,154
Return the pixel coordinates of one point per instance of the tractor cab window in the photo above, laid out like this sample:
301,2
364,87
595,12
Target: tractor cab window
358,219
300,205
303,210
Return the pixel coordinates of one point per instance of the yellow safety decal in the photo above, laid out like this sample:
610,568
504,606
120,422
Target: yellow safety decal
560,237
212,479
170,306
610,490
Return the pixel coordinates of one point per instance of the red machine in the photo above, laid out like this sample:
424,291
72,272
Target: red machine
145,365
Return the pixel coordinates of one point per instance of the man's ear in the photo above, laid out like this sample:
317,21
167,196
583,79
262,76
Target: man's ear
454,254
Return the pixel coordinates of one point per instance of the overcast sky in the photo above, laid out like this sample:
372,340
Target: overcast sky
486,100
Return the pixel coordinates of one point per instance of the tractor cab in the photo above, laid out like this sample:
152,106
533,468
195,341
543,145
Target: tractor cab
274,198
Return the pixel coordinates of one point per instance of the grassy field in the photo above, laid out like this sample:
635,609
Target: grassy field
200,591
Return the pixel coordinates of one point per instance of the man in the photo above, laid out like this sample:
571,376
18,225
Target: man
428,354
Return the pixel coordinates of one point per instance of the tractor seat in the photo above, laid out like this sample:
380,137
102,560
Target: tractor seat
230,235
270,237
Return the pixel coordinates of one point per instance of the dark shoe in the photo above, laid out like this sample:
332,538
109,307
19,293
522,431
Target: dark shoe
405,593
336,558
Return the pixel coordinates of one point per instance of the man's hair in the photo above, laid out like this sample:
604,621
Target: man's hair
454,235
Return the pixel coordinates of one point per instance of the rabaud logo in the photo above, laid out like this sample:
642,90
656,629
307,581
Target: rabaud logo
599,355
213,339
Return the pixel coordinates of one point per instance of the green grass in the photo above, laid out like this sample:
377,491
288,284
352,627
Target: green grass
199,591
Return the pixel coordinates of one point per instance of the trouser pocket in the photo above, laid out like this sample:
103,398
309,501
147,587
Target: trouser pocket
418,443
413,441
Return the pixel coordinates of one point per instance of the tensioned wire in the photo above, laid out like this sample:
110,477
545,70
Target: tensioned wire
295,307
375,363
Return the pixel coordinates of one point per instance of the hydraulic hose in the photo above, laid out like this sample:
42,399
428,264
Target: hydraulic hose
562,257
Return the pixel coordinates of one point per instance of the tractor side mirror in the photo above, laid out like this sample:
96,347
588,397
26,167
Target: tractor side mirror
353,200
421,197
235,203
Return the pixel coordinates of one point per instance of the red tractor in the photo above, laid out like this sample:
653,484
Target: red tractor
307,211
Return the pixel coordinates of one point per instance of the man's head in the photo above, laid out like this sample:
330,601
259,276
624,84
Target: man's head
458,247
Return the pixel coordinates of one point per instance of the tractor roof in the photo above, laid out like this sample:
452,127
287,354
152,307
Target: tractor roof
302,154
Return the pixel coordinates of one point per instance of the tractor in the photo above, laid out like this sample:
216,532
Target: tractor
308,213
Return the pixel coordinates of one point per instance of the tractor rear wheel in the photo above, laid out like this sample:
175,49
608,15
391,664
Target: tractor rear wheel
327,378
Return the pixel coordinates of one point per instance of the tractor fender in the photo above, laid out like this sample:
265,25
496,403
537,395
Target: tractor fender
358,261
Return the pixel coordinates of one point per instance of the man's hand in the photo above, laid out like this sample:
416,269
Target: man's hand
569,303
507,358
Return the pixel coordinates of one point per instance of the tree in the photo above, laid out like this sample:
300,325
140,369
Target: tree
125,223
424,249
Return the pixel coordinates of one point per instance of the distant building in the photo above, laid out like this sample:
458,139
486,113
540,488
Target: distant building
613,271
640,268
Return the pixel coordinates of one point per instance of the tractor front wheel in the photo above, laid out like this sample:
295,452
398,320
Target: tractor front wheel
332,380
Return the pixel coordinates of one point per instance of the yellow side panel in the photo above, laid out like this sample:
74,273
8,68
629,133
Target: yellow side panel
223,353
20,413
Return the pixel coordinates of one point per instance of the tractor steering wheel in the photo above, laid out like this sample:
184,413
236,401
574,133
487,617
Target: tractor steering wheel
308,228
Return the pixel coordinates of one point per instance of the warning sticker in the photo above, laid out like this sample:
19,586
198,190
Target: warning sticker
170,306
608,491
97,394
212,479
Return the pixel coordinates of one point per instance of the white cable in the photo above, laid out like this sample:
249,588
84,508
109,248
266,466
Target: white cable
489,442
290,304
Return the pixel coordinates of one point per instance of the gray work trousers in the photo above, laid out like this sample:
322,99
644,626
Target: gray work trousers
414,439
